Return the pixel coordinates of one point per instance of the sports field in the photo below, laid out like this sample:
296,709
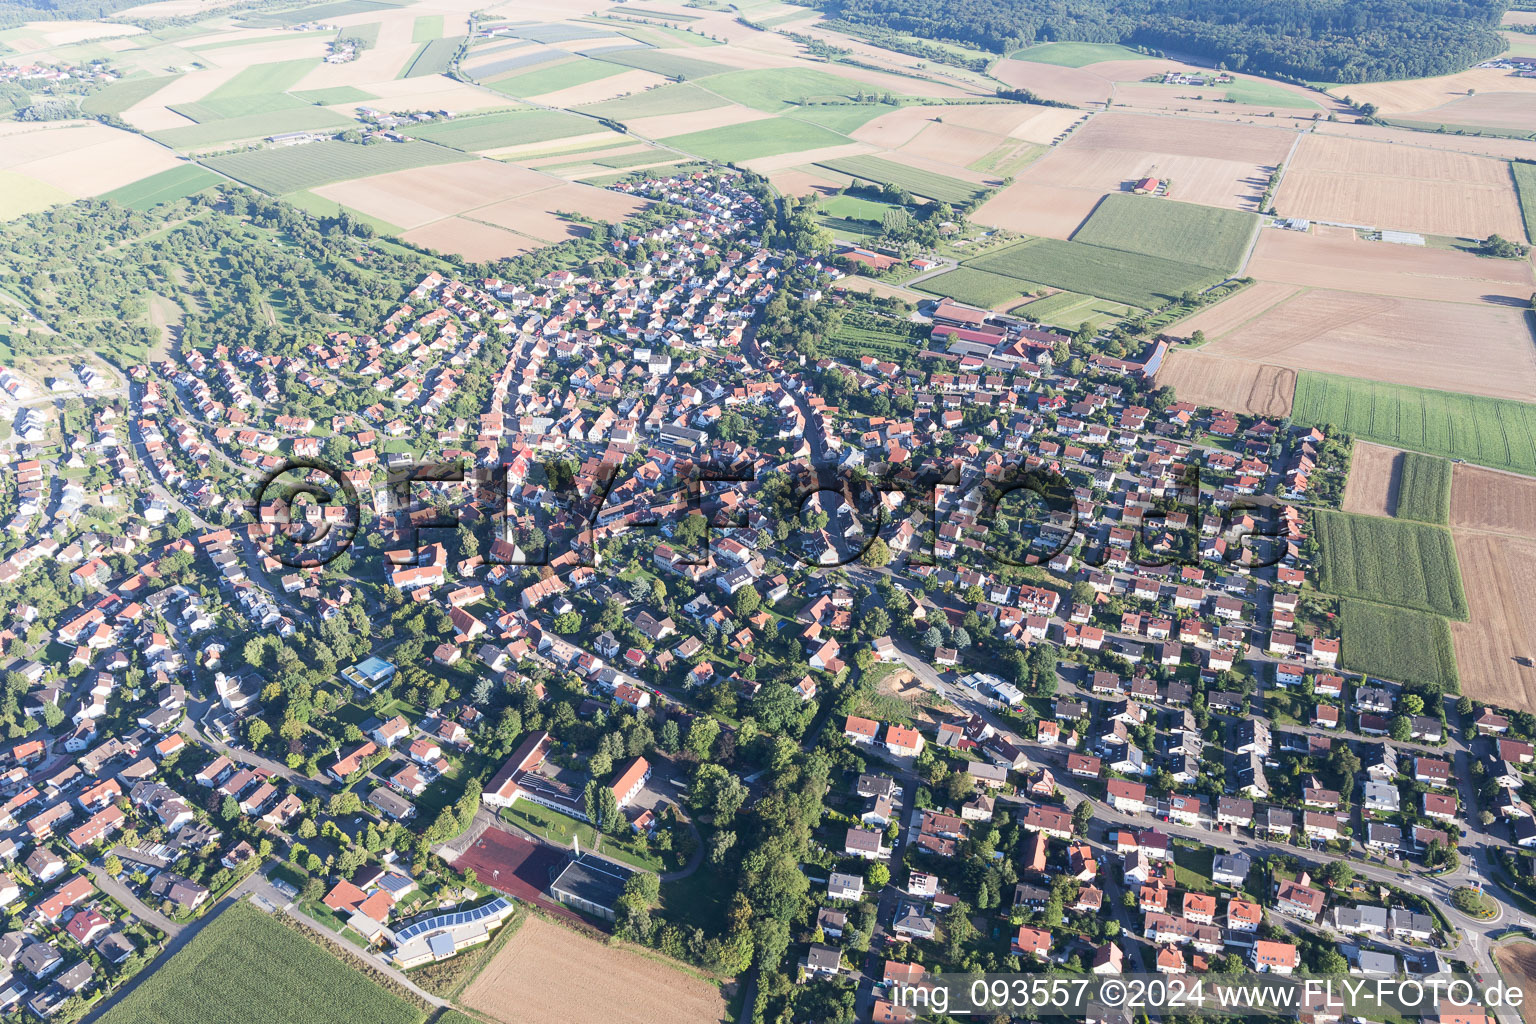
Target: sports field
1494,432
292,168
1392,561
1398,644
1132,278
245,966
927,184
1202,235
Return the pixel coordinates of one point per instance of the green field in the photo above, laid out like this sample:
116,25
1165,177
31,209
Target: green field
855,208
243,967
509,128
1425,491
554,77
1132,278
336,94
433,58
1266,94
174,183
426,28
621,160
292,168
252,126
841,117
1075,55
776,89
1071,310
868,331
1392,561
204,111
318,12
661,62
1525,184
939,187
119,96
1397,643
974,287
261,79
1496,432
754,139
1202,235
668,99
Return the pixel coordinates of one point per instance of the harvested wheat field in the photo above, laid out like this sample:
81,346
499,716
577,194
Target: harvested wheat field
1493,502
1069,85
421,195
1237,385
1420,94
600,90
1496,647
1479,145
1367,184
1230,314
1015,120
471,239
1480,350
84,159
1375,475
547,973
664,126
1340,259
798,181
1516,961
534,215
1032,209
1513,110
1209,162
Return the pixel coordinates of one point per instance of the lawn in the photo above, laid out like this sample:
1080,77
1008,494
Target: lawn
775,89
1394,561
119,96
738,142
554,77
1425,491
1397,643
1525,184
252,126
661,62
1496,432
667,99
244,966
293,168
975,287
855,208
1132,278
930,185
433,58
559,828
1202,235
185,180
509,128
1075,55
1266,94
1192,867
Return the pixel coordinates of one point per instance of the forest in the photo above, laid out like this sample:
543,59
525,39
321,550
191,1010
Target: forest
19,12
1305,40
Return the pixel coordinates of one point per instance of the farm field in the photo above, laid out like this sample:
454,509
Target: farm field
246,966
927,184
1032,209
1525,186
1493,502
666,63
1075,55
293,168
1338,258
866,331
975,287
668,99
1397,643
433,58
1238,385
1070,310
736,143
1392,561
179,181
250,126
1418,95
1401,341
1367,184
553,77
21,195
546,972
1488,431
1516,961
1131,278
480,132
779,89
1425,490
121,95
80,158
1212,163
1501,595
1203,235
1375,478
1230,313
